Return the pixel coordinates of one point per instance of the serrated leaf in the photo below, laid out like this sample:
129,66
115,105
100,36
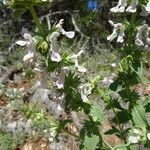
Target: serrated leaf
90,143
96,113
139,116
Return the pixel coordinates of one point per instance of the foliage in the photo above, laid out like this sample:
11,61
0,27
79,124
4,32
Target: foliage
77,91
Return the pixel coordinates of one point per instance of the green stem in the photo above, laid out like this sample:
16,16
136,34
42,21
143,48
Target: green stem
113,109
133,19
36,19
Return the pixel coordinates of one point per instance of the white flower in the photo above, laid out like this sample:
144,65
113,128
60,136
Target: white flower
134,139
132,7
110,80
82,69
55,56
28,58
107,81
147,7
75,56
113,65
70,34
28,42
59,107
140,37
120,36
148,136
137,132
60,84
118,32
120,7
113,35
86,90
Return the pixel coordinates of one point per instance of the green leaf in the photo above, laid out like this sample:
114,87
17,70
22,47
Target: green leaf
114,130
139,116
122,116
90,143
96,113
123,65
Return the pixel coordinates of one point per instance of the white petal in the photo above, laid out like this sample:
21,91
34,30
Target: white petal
21,42
133,139
63,32
82,69
70,34
55,57
59,108
112,36
113,65
147,7
120,7
28,57
139,42
59,84
148,136
120,39
84,98
27,36
132,8
111,22
121,34
80,52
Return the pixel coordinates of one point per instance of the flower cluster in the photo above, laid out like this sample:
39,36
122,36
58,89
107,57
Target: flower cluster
143,35
135,137
121,7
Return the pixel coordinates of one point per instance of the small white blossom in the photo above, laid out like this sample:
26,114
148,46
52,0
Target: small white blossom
120,7
107,81
142,34
148,136
59,108
55,56
82,69
113,65
86,90
132,7
118,32
134,139
147,7
70,34
59,84
28,42
74,57
28,58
